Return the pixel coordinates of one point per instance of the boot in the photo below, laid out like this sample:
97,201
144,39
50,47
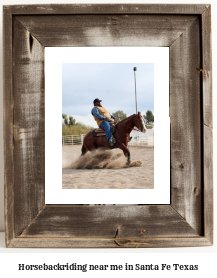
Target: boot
112,141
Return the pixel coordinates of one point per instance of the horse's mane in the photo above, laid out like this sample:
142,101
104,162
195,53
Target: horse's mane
122,121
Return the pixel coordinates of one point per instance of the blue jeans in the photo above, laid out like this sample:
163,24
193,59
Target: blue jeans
106,126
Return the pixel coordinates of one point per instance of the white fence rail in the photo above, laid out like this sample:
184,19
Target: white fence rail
138,138
72,139
142,139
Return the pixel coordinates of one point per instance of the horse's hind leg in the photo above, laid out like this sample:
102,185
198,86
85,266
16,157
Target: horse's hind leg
83,150
88,146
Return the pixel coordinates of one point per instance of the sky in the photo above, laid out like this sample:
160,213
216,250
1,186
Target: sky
112,83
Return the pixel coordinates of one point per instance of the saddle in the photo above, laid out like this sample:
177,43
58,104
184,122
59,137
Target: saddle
101,132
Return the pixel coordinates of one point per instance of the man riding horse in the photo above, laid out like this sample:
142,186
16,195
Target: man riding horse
103,119
122,131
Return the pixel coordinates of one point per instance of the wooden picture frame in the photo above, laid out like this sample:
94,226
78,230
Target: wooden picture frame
186,30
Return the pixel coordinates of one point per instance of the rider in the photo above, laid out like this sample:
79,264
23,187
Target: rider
103,118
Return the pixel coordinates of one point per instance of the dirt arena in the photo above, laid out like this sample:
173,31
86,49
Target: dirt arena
140,177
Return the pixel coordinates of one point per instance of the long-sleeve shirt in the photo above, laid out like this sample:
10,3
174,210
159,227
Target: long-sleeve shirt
95,112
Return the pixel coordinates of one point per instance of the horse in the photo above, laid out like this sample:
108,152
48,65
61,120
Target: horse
122,136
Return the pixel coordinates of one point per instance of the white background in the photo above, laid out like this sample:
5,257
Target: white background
54,194
204,256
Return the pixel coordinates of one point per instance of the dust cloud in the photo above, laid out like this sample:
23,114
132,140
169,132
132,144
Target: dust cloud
100,159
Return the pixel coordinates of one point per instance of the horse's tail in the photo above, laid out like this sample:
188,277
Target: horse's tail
83,150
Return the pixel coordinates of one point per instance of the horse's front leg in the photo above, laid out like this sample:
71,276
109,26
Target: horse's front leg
128,159
126,152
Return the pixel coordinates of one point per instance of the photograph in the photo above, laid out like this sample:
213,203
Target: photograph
108,125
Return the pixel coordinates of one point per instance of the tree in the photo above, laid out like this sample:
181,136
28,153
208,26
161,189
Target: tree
149,117
119,115
68,122
65,118
71,121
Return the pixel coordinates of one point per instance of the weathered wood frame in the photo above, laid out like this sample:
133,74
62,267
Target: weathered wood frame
188,220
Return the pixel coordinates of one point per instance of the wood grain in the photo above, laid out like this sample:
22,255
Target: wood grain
29,117
62,242
109,221
107,30
208,182
207,67
185,113
106,9
8,125
207,123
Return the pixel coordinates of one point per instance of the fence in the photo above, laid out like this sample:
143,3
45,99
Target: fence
142,139
72,139
138,138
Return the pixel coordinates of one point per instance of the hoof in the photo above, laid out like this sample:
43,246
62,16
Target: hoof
128,162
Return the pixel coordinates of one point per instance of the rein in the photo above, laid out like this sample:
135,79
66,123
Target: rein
123,125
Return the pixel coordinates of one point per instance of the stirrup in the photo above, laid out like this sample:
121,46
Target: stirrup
112,141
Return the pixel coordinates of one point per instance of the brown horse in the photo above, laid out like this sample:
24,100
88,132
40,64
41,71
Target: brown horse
122,136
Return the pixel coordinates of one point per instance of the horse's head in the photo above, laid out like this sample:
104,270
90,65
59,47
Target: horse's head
139,122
